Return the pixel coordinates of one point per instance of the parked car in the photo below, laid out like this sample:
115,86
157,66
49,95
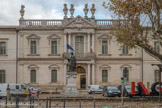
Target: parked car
34,90
111,90
94,89
127,90
15,89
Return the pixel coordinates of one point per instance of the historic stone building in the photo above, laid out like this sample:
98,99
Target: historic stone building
35,53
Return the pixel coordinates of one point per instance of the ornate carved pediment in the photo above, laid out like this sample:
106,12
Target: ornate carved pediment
105,36
125,66
53,66
79,23
53,36
33,36
33,66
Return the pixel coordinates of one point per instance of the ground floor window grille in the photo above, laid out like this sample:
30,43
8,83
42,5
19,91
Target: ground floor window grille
33,76
54,76
104,76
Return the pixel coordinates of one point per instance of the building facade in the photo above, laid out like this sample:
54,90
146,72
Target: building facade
35,52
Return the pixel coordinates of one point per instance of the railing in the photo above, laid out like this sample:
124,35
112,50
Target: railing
109,22
40,23
80,55
53,23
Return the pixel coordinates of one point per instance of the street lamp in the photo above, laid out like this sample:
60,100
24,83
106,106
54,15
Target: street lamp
122,81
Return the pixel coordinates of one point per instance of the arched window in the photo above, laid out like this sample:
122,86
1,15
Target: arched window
2,76
2,48
54,47
33,76
54,76
126,74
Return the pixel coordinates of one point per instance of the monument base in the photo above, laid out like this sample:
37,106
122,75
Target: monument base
71,89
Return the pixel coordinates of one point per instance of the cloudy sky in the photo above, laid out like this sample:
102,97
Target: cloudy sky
47,9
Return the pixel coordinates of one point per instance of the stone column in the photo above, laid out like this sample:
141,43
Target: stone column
69,41
88,74
93,41
88,42
84,44
93,74
65,71
65,43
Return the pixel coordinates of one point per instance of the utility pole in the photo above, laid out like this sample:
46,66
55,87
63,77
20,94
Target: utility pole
160,70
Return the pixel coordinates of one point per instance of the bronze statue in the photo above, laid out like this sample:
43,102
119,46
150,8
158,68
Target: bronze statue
71,63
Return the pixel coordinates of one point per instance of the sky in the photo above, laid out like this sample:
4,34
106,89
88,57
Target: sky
47,9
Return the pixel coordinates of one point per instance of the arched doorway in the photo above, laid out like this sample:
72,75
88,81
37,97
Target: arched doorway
81,77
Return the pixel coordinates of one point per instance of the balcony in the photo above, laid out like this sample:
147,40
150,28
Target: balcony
81,55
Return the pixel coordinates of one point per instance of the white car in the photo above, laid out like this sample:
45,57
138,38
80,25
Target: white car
94,89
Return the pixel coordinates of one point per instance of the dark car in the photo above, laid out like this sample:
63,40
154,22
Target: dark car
111,91
127,90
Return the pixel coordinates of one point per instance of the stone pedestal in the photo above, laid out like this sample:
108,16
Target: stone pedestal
71,89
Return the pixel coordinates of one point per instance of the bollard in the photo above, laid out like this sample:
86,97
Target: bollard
56,90
64,102
33,102
17,102
30,102
6,103
47,103
80,104
94,104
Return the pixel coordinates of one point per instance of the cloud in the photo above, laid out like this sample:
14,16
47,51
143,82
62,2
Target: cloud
46,9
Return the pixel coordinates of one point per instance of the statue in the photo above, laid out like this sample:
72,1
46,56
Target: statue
71,63
86,10
72,11
65,10
22,11
93,10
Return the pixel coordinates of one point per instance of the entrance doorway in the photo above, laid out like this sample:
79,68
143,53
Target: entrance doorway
82,81
81,77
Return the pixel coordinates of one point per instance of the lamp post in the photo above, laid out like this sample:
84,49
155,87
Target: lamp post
122,81
160,70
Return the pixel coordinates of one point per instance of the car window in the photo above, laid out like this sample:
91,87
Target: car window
23,87
17,86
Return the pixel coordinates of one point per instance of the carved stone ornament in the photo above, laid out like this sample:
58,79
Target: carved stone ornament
93,10
22,11
72,10
65,10
86,10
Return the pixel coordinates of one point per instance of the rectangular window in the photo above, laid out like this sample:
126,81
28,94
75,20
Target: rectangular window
33,47
2,48
125,49
2,76
157,46
53,47
156,75
33,76
126,74
54,76
104,76
104,47
79,46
